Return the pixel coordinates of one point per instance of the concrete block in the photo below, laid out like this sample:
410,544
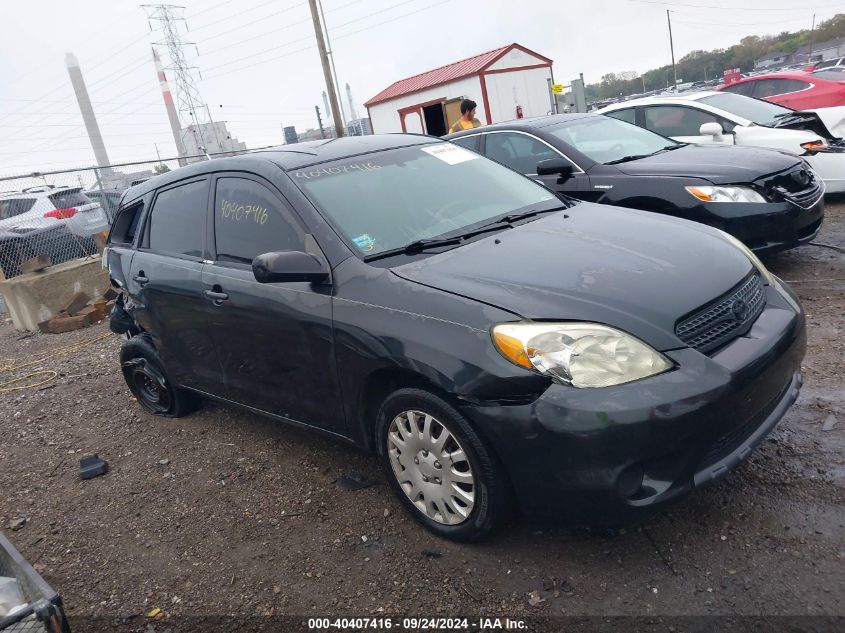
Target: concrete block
36,264
36,297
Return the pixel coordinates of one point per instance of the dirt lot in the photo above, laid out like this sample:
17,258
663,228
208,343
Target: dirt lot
224,513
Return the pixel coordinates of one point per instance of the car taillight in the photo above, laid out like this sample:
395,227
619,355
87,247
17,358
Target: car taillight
61,214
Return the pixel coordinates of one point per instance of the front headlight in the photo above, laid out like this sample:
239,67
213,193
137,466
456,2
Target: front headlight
725,194
578,354
764,272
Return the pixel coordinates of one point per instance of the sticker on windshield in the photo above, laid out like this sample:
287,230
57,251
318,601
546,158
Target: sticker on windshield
364,242
449,153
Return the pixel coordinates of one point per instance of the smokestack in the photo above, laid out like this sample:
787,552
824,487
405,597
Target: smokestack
171,109
326,107
352,111
87,111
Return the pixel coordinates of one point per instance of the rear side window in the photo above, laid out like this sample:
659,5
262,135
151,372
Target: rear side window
16,206
629,115
250,220
177,222
65,199
745,88
126,224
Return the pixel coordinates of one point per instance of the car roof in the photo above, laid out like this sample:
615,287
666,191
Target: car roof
662,98
287,157
526,124
786,75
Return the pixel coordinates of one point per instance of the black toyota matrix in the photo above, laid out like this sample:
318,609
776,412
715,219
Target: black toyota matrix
485,338
770,200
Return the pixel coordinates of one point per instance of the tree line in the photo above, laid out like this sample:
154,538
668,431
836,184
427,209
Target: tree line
704,65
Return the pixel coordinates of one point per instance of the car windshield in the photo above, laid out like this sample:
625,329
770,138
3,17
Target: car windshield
390,199
605,139
756,110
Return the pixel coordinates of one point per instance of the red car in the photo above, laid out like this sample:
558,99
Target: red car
801,91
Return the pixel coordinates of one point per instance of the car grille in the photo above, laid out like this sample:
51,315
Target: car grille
799,186
726,318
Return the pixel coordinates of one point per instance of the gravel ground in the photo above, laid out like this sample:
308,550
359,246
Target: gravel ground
224,513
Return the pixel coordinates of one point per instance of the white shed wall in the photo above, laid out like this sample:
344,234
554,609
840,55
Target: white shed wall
528,88
385,116
516,58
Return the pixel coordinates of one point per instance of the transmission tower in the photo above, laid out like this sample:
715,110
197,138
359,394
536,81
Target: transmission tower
193,111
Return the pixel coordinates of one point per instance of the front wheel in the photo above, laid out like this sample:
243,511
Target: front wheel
439,468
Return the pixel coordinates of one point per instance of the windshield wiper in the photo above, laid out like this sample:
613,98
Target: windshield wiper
625,159
513,217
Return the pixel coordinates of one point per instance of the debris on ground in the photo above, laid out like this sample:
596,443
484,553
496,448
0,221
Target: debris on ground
355,481
92,466
829,423
17,523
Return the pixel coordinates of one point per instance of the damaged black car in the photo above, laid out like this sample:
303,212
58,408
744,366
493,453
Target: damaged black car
490,341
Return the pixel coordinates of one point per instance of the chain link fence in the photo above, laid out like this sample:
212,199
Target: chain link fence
51,217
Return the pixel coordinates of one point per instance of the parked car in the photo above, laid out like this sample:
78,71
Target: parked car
769,200
730,119
802,91
107,199
836,62
484,337
56,221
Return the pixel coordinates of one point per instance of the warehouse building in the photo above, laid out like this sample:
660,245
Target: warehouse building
507,83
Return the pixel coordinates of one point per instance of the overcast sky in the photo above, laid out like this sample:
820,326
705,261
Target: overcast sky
261,70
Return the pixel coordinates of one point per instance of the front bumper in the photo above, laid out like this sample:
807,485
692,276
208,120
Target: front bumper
608,455
767,227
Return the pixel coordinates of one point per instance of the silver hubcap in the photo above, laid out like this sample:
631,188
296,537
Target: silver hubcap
431,467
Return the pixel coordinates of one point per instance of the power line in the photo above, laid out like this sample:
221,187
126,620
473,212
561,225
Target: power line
734,8
240,13
309,37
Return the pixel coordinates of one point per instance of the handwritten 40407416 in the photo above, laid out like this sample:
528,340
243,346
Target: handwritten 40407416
238,212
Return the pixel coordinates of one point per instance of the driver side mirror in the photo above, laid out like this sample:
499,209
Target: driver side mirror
288,266
710,129
555,167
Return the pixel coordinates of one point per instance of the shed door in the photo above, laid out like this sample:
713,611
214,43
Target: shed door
453,112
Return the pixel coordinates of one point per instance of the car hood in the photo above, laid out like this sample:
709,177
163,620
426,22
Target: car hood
634,270
825,122
720,164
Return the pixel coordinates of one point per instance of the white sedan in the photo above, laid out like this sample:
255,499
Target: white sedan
732,119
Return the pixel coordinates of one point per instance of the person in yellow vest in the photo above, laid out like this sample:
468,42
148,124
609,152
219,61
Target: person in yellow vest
467,120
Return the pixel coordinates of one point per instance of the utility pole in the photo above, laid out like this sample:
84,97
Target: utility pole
331,56
812,30
327,73
672,48
320,122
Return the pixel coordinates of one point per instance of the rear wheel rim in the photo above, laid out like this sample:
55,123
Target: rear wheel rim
431,467
150,393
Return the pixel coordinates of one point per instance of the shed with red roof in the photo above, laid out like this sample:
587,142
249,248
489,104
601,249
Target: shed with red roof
507,83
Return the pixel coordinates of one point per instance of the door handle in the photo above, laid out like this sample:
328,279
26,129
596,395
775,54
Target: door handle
217,297
140,278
